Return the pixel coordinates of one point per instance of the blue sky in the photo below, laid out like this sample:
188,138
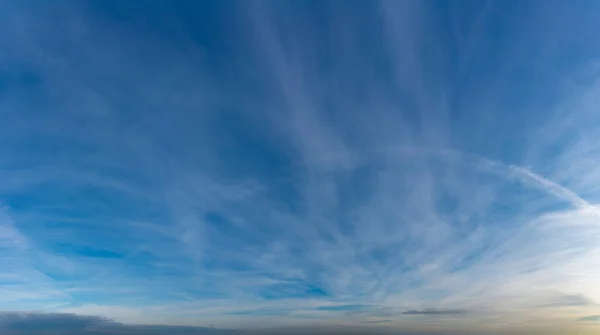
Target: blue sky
422,166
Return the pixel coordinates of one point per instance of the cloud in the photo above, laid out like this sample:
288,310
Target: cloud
343,307
568,301
590,318
436,312
378,321
38,323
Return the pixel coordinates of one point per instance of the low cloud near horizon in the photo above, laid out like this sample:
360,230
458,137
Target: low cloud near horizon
436,312
71,324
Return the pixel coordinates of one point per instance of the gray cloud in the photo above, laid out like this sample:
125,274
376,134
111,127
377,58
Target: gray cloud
594,318
378,321
12,323
436,312
569,300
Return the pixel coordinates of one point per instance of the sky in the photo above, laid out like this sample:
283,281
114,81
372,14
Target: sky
201,167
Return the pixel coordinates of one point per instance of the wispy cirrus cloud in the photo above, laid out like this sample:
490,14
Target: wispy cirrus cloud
278,163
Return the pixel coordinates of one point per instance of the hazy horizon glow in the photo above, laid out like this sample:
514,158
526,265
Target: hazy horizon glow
404,166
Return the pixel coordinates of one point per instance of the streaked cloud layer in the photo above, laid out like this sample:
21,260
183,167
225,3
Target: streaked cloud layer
70,324
419,166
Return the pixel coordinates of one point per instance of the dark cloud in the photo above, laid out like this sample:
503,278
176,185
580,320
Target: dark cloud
72,324
378,321
593,318
438,312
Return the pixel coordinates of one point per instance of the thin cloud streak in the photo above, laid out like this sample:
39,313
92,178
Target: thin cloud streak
437,312
591,318
38,323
